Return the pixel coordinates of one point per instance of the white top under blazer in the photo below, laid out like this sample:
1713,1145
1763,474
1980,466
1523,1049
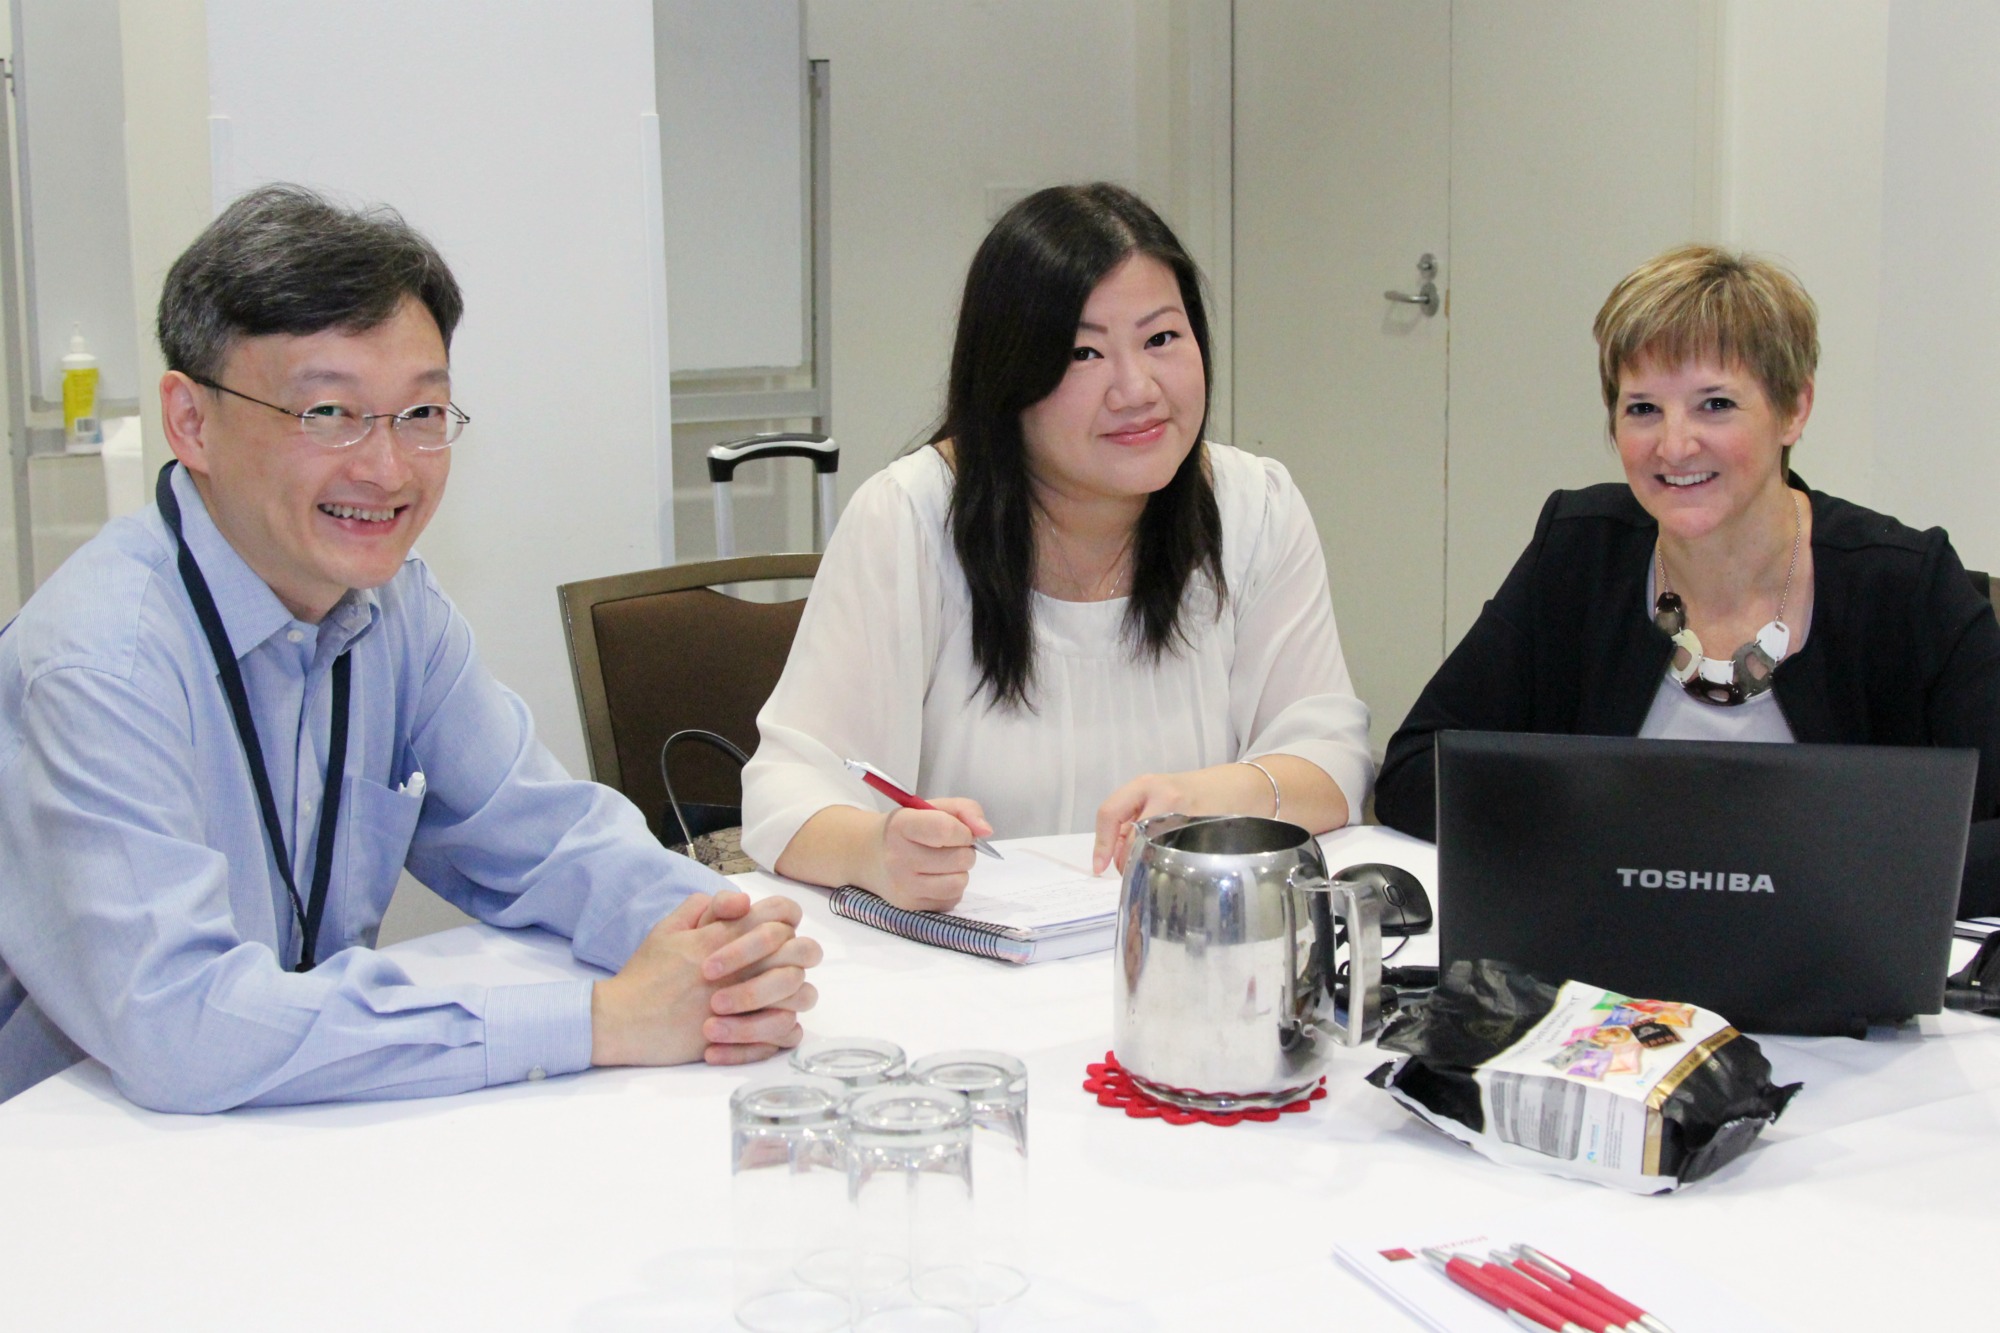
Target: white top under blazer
882,671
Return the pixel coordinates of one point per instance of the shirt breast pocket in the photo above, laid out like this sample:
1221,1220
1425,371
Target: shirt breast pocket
377,824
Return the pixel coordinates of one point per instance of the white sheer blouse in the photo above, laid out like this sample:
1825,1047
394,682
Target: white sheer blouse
882,671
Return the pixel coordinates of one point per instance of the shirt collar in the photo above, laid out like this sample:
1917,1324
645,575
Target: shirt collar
251,612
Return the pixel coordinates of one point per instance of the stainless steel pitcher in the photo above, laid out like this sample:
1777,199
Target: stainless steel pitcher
1228,993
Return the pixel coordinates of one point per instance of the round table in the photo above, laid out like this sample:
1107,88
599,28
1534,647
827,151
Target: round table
601,1201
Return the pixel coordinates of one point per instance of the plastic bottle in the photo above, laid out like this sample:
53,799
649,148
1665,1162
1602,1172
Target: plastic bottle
81,424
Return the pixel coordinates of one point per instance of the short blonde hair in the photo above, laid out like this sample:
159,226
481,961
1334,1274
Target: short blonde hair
1700,301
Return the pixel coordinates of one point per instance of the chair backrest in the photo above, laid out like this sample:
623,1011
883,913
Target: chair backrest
662,650
1982,583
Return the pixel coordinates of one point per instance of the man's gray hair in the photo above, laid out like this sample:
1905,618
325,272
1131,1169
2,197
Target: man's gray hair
284,259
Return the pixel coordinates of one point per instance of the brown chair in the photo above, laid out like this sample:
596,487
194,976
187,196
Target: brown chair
1982,583
661,651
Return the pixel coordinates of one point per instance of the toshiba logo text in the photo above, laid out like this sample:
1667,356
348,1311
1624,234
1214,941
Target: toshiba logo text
1727,881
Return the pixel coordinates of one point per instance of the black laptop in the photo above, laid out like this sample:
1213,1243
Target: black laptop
1789,888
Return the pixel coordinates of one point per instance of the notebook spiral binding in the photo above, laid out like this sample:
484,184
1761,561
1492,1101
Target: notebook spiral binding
947,932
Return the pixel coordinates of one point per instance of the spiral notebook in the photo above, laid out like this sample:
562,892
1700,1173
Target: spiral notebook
1038,902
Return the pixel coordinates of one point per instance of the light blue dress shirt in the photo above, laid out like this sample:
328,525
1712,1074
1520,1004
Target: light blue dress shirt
142,917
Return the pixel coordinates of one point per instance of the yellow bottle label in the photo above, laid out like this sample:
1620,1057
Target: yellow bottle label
80,422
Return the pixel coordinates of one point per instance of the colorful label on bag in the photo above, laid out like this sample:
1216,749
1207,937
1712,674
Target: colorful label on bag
1585,1083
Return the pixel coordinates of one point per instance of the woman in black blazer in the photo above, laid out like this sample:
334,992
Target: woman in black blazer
1713,595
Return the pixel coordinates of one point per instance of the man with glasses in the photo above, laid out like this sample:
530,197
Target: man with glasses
230,721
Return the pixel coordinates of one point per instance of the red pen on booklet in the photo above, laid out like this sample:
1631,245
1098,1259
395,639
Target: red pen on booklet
1577,1306
1481,1280
1533,1261
879,780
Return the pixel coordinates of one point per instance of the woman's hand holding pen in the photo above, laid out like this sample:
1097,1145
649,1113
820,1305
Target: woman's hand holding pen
926,855
914,858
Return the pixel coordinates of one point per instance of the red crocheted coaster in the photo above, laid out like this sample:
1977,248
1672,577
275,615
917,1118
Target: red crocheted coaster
1113,1087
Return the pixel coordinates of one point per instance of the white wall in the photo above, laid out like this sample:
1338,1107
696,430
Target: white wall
732,92
934,102
511,133
1803,106
166,164
1858,147
1937,453
68,105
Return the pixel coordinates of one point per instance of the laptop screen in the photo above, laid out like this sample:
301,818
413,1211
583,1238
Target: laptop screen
1790,888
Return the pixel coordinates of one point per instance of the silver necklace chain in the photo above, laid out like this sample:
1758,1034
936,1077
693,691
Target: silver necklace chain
1107,584
1791,566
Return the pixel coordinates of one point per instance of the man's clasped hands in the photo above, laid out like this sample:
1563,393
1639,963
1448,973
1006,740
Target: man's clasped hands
721,979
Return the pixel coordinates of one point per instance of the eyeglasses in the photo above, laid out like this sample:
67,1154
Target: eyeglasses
426,427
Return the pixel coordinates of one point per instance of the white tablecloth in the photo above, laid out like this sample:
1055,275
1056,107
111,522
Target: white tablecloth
600,1201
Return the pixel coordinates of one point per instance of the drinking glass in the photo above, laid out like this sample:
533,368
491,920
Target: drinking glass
856,1062
909,1177
995,1087
788,1190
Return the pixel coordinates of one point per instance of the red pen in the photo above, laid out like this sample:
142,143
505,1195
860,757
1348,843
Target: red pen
1566,1300
1524,1310
1601,1310
1590,1286
879,780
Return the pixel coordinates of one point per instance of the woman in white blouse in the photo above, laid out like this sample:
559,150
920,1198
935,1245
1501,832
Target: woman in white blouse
1066,612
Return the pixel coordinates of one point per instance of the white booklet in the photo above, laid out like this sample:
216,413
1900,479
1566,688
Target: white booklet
1646,1275
1037,901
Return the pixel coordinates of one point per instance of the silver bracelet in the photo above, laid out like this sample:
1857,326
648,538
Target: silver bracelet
1277,801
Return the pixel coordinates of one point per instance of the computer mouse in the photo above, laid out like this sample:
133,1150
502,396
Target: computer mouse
1406,908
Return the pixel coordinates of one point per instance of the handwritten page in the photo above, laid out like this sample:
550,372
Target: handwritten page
1041,886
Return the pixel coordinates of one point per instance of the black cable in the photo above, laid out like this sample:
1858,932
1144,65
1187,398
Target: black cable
709,738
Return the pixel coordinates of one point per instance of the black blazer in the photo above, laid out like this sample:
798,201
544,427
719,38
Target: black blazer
1902,651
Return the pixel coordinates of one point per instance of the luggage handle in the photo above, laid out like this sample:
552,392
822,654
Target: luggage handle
724,459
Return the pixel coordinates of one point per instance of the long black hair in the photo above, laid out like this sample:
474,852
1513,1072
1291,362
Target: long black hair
1024,296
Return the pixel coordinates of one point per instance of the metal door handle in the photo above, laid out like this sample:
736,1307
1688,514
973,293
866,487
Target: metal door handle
1425,296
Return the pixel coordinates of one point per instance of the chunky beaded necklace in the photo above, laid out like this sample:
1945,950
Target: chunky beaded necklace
1745,673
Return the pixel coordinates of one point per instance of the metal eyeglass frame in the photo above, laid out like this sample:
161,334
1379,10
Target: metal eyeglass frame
455,421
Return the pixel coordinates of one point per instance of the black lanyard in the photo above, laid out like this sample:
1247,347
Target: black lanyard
246,731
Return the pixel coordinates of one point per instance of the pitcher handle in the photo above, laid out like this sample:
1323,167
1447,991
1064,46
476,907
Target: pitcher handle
1359,903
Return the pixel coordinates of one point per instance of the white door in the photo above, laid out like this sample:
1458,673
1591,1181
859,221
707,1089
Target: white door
1581,145
1538,152
1342,173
